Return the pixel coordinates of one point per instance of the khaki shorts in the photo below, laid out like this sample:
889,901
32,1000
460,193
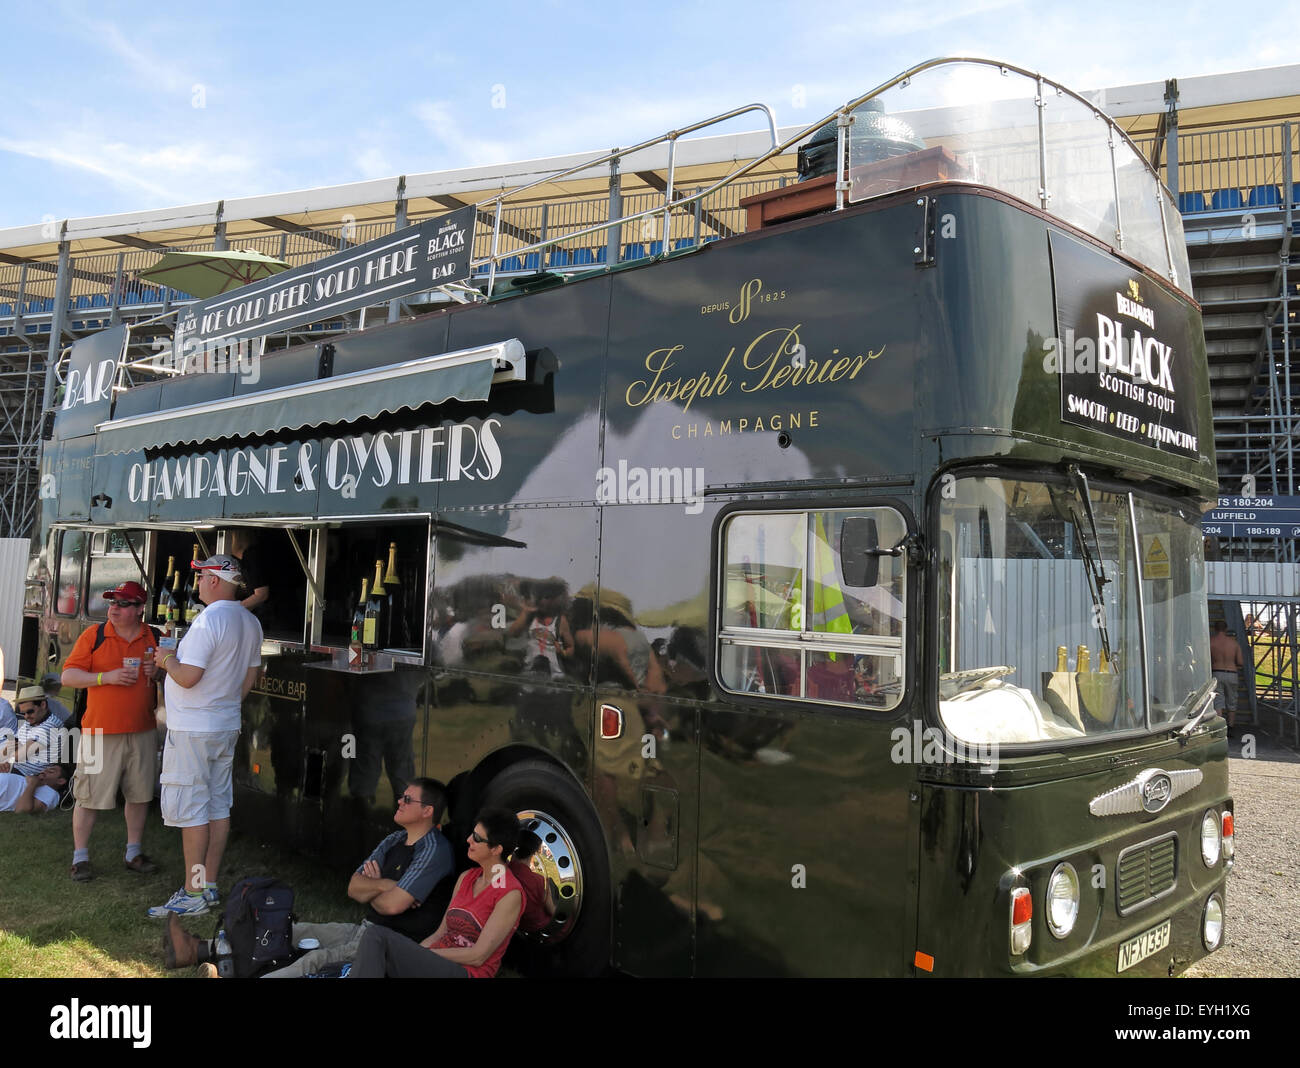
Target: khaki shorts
106,761
196,782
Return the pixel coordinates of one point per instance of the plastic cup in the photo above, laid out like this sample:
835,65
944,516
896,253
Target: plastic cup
132,664
308,944
167,642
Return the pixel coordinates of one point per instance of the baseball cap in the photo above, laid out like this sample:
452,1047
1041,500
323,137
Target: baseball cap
223,566
127,591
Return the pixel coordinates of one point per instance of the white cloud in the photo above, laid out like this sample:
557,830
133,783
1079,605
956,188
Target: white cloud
464,149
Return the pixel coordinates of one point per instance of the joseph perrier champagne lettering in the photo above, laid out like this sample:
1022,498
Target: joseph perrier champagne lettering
356,645
374,609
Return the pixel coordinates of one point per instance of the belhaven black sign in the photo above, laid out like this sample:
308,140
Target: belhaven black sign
432,253
1122,352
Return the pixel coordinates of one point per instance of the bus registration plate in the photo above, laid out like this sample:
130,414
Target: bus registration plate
1138,949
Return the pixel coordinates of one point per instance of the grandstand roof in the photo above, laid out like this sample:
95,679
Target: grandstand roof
1236,99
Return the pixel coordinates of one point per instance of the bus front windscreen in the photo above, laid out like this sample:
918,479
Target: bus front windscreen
1053,596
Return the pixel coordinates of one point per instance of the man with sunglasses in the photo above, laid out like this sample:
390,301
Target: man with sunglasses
119,743
396,883
38,741
207,678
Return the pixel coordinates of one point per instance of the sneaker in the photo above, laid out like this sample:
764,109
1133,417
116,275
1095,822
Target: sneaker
212,896
182,904
81,872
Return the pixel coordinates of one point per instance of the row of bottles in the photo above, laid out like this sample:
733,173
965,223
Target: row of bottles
378,621
1082,660
176,606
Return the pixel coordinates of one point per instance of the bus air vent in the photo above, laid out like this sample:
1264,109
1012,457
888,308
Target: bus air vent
1146,872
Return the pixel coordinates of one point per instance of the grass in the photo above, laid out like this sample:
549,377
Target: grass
52,927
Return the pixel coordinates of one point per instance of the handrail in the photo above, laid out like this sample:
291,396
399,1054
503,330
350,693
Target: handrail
671,137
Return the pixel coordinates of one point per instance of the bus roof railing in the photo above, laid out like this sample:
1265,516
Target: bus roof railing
1100,212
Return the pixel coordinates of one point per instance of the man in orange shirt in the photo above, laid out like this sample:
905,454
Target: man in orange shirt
119,741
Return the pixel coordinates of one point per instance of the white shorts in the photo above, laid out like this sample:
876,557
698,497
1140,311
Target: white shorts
196,777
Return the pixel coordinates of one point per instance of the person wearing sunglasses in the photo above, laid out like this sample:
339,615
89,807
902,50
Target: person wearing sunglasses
119,743
397,883
483,915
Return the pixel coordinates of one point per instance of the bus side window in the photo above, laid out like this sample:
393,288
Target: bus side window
791,627
67,580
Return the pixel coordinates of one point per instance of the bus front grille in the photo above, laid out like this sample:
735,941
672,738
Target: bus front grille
1146,872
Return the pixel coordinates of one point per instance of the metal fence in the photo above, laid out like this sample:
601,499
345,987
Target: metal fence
1240,167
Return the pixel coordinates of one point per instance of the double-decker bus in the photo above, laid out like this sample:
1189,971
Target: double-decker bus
828,597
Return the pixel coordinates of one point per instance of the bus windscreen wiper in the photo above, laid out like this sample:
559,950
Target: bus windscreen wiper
1091,557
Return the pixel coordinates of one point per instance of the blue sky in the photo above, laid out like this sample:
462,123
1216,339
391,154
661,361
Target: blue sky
113,107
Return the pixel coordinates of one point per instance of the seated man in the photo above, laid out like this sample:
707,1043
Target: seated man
59,712
32,793
37,742
396,881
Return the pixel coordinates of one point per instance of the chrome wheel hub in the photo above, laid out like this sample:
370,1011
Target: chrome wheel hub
558,863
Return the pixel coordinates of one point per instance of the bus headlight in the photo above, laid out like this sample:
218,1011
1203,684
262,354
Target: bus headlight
1211,842
1212,923
1062,900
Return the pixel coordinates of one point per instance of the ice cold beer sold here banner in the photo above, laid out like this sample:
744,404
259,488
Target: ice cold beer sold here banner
1123,353
432,253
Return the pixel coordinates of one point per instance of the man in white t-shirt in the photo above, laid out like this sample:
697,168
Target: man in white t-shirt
208,677
32,793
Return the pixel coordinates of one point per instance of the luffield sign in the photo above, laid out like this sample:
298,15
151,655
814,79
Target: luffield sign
432,253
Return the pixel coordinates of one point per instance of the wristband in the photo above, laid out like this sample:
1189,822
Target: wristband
163,661
100,680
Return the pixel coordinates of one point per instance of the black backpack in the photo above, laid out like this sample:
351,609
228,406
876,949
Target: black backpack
79,696
258,924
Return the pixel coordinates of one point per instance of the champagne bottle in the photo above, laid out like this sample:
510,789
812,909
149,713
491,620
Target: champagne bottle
1103,662
193,604
1082,659
356,646
1062,658
165,594
394,622
174,607
374,609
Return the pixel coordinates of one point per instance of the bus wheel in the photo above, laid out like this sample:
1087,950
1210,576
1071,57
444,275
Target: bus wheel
572,858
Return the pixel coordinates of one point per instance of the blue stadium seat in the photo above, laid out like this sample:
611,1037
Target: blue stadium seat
99,300
533,261
633,252
711,237
683,242
583,257
602,254
1265,196
656,248
6,309
560,257
82,302
1190,202
511,263
1226,200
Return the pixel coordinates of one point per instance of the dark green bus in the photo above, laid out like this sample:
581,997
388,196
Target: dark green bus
829,597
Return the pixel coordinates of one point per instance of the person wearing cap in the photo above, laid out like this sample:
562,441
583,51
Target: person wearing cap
38,741
207,678
119,741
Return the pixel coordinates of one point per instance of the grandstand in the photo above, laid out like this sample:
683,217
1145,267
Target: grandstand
1225,144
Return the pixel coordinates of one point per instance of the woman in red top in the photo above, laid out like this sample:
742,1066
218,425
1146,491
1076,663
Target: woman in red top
476,927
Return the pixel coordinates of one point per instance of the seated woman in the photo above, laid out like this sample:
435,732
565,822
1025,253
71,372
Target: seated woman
476,928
